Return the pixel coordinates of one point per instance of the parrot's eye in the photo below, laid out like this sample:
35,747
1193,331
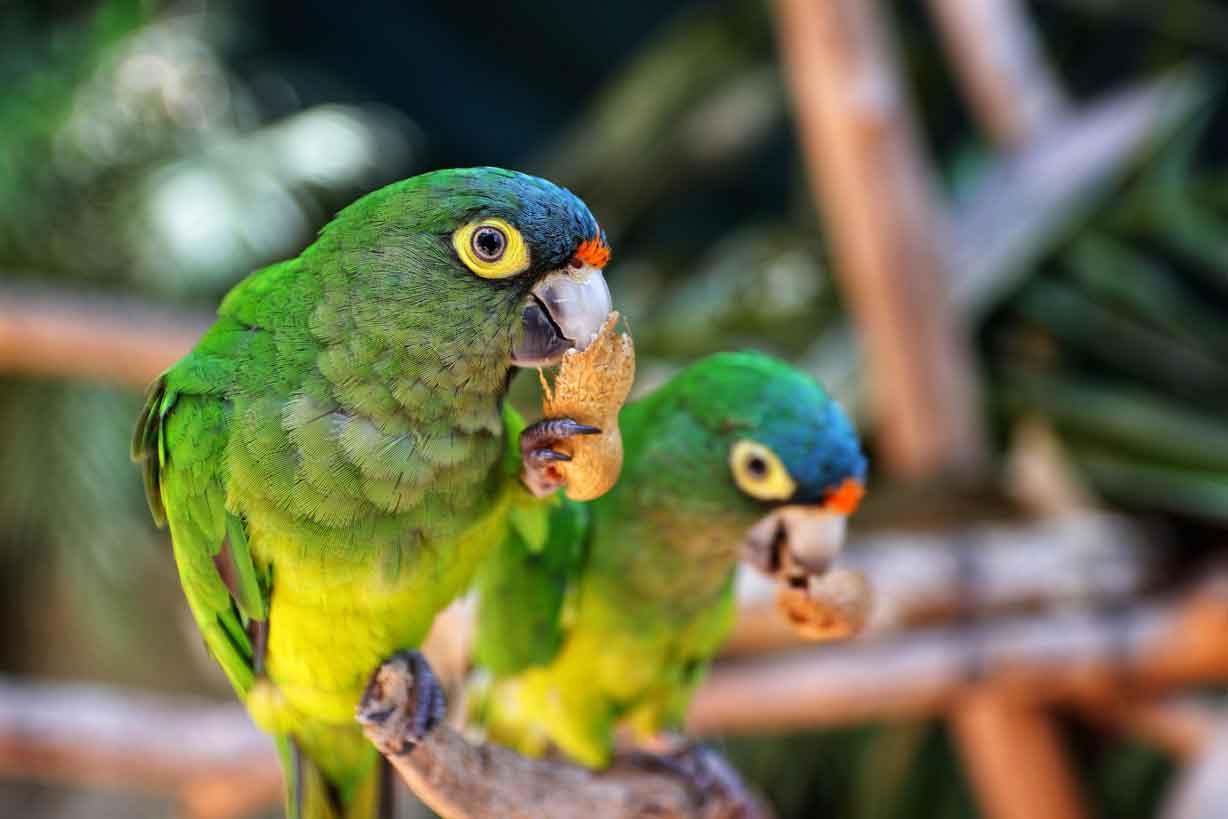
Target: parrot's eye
491,248
489,243
759,472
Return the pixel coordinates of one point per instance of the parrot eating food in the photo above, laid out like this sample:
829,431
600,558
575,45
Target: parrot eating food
334,457
612,616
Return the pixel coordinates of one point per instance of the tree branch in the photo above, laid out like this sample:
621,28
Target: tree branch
107,339
1000,64
1014,758
918,579
1067,657
208,755
462,780
1201,791
888,229
80,733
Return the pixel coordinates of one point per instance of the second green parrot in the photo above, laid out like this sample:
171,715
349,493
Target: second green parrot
613,615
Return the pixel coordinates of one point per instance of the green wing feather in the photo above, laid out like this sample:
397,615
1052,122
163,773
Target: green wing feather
191,497
522,588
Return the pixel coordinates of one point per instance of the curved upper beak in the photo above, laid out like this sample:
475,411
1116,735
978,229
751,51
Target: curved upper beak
564,310
803,538
806,537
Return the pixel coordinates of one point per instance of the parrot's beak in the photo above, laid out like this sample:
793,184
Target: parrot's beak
564,310
806,536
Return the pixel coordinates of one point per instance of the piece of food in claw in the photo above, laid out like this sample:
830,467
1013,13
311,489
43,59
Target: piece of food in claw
590,388
828,606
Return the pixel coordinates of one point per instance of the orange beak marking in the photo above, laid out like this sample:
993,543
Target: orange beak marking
592,252
845,498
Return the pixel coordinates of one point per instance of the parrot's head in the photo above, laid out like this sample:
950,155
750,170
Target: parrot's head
501,268
767,450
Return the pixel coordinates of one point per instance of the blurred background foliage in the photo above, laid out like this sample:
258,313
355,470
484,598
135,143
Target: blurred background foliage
165,149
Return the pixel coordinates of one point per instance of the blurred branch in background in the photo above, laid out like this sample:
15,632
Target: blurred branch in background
208,756
122,341
998,62
891,241
1183,725
997,735
1075,657
1202,790
1083,243
1028,201
888,229
919,579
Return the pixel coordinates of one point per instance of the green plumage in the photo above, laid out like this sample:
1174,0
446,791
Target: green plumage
334,457
632,594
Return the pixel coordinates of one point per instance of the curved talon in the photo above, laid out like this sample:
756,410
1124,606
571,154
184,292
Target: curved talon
539,457
555,429
712,779
549,455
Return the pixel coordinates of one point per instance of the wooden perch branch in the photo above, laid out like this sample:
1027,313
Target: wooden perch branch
461,780
116,340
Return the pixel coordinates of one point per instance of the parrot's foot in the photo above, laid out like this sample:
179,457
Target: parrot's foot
537,442
402,703
714,781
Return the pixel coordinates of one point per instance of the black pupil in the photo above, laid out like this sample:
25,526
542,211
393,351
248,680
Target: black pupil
757,466
489,243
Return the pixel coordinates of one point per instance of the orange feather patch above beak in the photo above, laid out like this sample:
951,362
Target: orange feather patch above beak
593,252
845,498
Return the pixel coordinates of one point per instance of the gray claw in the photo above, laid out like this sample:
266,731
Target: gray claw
539,457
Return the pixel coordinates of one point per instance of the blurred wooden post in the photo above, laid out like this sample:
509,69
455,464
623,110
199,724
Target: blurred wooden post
1001,68
1012,756
1012,751
888,231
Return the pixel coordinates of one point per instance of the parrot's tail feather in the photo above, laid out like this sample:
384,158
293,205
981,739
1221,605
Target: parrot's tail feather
314,797
375,796
289,757
309,794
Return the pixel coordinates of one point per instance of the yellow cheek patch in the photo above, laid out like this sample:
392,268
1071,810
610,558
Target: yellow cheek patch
759,472
513,260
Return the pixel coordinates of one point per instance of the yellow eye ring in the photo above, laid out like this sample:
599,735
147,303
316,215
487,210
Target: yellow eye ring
491,248
759,473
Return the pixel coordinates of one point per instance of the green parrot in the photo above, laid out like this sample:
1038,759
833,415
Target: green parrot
613,615
334,458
